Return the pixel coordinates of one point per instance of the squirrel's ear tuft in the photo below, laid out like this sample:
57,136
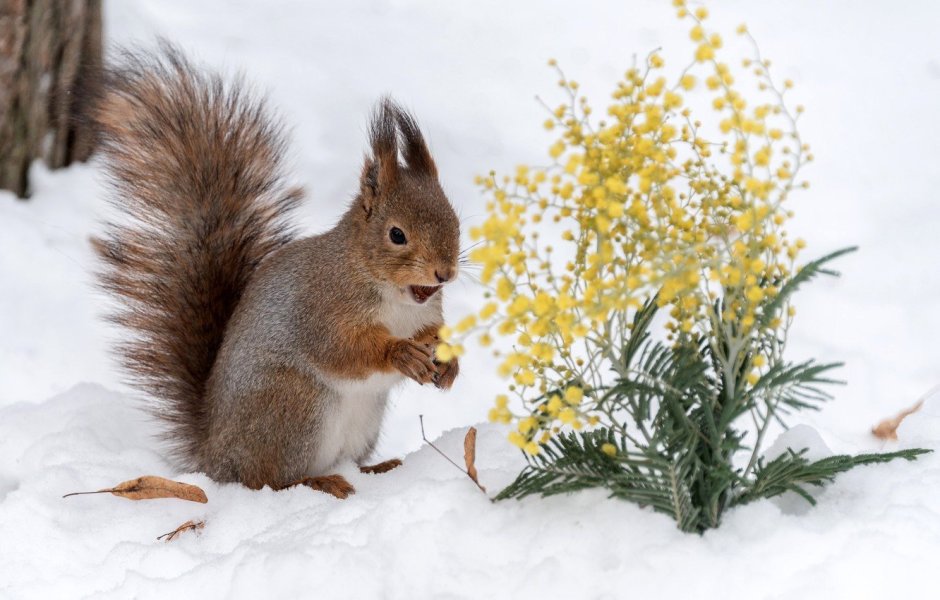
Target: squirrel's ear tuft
415,150
380,171
390,126
384,141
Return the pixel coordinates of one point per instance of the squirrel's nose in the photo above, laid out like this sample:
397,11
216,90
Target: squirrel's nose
444,275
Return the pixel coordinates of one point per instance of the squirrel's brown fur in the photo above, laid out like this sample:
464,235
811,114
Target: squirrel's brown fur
269,357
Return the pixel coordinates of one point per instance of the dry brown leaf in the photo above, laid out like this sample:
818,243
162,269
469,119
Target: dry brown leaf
149,487
470,455
187,526
469,449
888,429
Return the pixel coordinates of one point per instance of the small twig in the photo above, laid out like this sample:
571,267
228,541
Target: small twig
187,526
438,450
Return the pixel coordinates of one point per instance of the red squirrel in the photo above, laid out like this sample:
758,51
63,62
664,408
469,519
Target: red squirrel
269,356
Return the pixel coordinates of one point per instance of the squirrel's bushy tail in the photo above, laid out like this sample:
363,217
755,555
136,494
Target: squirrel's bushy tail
195,164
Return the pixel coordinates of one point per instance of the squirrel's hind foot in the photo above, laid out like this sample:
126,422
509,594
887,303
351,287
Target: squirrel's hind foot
335,485
382,467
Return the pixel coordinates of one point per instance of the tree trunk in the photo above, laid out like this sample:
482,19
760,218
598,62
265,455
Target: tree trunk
48,48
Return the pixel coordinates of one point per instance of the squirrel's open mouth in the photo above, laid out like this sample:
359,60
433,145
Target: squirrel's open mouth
422,292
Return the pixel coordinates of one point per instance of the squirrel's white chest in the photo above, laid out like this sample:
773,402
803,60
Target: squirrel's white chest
404,319
352,419
354,412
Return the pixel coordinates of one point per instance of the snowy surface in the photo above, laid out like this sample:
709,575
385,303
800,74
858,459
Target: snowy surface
424,530
869,74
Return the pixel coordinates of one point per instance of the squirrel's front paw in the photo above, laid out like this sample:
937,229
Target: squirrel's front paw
428,336
446,373
414,360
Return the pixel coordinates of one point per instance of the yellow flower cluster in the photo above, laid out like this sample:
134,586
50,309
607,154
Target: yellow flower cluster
645,202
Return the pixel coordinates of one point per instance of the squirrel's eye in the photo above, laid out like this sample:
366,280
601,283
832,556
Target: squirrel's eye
397,236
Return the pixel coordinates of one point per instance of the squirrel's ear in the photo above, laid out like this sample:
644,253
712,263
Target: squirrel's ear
369,185
416,153
376,179
380,171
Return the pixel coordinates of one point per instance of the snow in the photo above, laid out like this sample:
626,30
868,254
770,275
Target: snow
798,437
869,75
422,530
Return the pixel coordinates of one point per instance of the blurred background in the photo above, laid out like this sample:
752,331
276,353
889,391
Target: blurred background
867,72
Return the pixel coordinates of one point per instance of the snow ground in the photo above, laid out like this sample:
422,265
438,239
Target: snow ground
425,531
869,74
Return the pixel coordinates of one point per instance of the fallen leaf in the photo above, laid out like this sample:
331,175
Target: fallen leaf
888,429
151,486
469,447
470,455
187,526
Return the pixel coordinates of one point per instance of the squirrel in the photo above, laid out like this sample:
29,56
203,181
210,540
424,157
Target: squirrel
268,356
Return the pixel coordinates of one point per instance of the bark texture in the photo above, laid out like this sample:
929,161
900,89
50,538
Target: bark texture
48,50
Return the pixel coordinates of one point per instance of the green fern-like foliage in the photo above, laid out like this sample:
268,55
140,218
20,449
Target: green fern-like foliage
676,424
